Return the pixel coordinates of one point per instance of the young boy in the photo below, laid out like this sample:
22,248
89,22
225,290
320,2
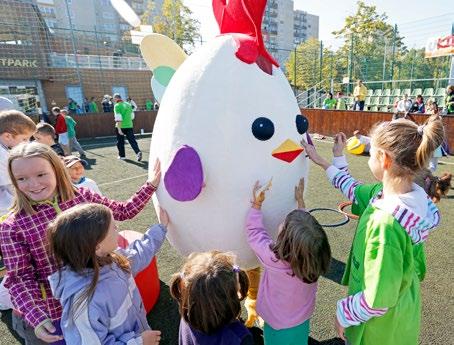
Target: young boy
60,129
45,134
72,140
15,127
76,168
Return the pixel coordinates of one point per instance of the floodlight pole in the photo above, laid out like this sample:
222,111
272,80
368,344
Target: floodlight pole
79,75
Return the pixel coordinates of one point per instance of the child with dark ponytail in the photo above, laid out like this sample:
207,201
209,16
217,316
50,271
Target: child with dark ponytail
387,260
209,290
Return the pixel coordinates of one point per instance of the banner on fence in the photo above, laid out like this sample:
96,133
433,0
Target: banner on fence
440,46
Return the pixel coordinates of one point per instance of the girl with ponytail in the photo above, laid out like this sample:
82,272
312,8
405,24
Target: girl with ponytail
387,260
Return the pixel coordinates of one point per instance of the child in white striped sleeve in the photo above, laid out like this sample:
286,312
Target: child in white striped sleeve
387,260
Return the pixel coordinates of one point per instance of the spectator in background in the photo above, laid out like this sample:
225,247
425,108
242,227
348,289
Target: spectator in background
72,140
395,103
329,102
107,105
449,100
124,127
93,107
418,105
45,134
149,105
86,105
133,106
61,129
403,107
359,93
429,103
76,168
340,102
72,106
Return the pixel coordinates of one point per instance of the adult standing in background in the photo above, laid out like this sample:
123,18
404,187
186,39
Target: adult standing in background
107,105
449,100
329,102
359,93
86,105
61,129
93,106
133,105
72,106
340,102
124,127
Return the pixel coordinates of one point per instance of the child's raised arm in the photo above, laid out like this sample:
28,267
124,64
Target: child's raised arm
338,173
128,209
299,194
141,252
258,238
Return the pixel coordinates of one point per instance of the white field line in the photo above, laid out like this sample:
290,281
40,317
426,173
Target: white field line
122,180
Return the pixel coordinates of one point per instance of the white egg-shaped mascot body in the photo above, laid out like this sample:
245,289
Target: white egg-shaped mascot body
224,123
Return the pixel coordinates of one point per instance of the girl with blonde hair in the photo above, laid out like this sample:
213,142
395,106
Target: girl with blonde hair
387,260
43,189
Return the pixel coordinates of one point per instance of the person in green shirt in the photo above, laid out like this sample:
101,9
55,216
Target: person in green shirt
124,127
340,102
149,105
93,107
387,260
72,142
329,102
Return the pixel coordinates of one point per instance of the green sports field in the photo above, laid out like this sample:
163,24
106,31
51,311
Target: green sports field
120,179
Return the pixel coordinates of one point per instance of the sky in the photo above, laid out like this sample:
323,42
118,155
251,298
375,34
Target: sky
417,20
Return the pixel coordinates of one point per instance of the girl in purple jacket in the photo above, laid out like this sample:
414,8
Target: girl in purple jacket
95,282
292,265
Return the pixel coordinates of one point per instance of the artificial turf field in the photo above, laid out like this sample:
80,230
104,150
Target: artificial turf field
120,179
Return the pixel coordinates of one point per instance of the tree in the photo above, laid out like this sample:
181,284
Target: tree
175,21
307,64
146,17
374,41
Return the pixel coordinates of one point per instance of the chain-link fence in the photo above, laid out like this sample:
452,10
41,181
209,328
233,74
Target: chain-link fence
50,56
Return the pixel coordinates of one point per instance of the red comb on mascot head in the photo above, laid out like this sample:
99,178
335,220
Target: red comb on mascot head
243,19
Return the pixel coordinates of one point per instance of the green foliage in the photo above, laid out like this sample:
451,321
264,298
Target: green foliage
373,49
175,21
146,17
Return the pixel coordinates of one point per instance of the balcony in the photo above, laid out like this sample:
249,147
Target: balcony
97,62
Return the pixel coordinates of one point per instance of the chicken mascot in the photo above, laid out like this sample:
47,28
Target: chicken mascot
227,118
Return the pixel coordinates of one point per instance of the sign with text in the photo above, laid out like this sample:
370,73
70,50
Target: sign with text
24,63
441,46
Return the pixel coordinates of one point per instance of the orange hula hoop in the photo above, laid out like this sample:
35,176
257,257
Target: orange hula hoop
343,205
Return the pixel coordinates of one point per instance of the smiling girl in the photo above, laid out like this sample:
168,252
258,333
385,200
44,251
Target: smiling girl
43,190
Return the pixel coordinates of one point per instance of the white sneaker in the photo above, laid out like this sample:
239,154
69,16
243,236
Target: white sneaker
121,158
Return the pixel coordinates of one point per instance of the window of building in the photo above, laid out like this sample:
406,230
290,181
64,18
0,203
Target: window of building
74,92
108,15
51,23
122,90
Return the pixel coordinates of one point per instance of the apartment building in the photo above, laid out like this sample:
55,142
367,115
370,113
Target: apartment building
91,15
284,28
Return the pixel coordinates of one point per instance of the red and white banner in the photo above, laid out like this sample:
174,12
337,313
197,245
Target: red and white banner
441,46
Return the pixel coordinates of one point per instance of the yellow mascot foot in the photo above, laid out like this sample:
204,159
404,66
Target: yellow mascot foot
251,300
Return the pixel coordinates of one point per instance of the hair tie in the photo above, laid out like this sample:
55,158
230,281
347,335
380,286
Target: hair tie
421,129
236,269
